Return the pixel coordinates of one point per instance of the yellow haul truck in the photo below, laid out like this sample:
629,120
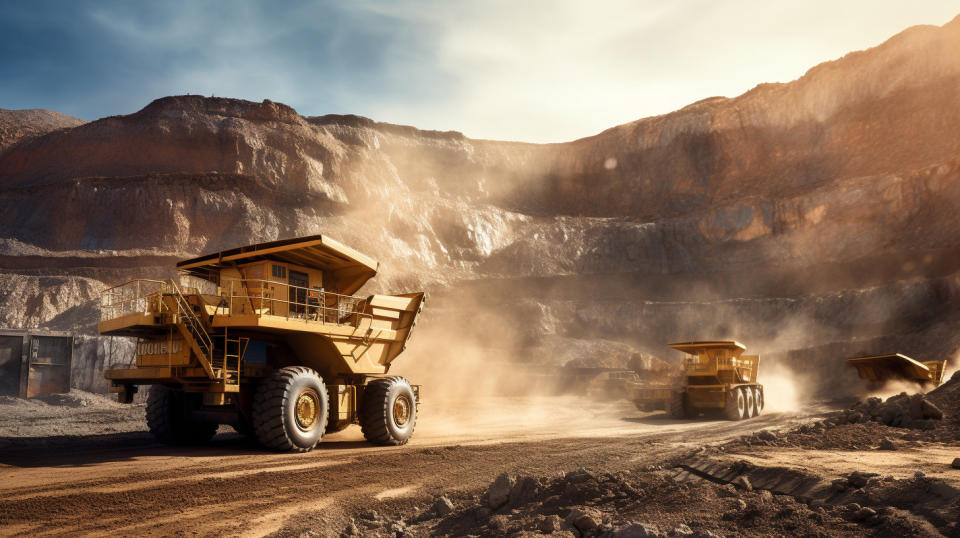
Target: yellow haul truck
270,339
879,369
716,376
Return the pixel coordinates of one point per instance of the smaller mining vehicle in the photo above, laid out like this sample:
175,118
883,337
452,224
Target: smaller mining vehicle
270,339
715,377
879,369
652,384
616,384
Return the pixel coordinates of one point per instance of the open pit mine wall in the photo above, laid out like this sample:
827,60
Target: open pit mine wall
812,219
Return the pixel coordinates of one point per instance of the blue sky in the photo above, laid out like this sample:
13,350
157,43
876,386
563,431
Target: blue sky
540,70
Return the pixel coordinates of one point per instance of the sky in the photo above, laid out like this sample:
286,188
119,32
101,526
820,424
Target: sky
536,71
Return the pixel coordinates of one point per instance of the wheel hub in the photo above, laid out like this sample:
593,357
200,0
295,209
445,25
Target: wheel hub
401,410
307,409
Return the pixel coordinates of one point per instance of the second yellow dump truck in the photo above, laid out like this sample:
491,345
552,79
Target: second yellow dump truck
271,339
715,377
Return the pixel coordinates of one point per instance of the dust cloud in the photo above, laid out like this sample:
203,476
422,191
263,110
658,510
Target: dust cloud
483,369
896,386
482,376
548,305
472,390
780,388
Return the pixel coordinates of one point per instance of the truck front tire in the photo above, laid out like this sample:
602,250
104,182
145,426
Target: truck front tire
290,409
388,413
169,417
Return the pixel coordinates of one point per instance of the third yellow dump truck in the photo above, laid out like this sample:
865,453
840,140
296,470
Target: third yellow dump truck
879,369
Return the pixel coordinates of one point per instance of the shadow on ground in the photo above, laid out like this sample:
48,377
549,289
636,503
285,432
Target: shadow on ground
76,451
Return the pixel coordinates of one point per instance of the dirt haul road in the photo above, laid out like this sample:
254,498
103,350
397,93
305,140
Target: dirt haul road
123,483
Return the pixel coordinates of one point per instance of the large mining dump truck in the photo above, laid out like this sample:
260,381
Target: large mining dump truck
270,339
879,369
715,377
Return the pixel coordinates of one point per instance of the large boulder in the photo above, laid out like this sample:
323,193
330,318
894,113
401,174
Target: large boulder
499,491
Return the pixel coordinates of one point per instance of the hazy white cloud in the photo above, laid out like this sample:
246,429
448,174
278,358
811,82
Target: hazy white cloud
558,70
534,70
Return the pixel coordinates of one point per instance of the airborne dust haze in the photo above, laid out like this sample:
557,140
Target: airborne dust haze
499,326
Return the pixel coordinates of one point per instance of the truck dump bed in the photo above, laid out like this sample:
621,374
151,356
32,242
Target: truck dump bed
718,361
883,368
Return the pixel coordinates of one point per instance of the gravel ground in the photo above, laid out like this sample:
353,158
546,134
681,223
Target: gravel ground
83,464
76,413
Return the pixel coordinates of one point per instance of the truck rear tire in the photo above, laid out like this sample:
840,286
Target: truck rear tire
748,411
758,400
169,419
388,413
290,409
735,406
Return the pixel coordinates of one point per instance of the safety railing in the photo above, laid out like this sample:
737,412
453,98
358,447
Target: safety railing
134,297
267,297
237,296
707,365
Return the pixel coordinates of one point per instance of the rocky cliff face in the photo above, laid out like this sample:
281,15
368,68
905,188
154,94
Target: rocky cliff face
811,220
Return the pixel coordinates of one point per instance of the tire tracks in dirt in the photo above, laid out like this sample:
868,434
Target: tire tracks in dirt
240,491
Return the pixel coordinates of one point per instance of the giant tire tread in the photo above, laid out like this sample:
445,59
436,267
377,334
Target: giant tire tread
269,403
750,407
374,415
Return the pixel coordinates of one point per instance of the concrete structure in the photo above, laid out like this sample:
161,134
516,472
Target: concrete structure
35,362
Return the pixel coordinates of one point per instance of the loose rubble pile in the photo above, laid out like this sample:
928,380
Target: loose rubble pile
901,411
916,503
870,424
828,434
583,503
25,423
916,506
947,396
